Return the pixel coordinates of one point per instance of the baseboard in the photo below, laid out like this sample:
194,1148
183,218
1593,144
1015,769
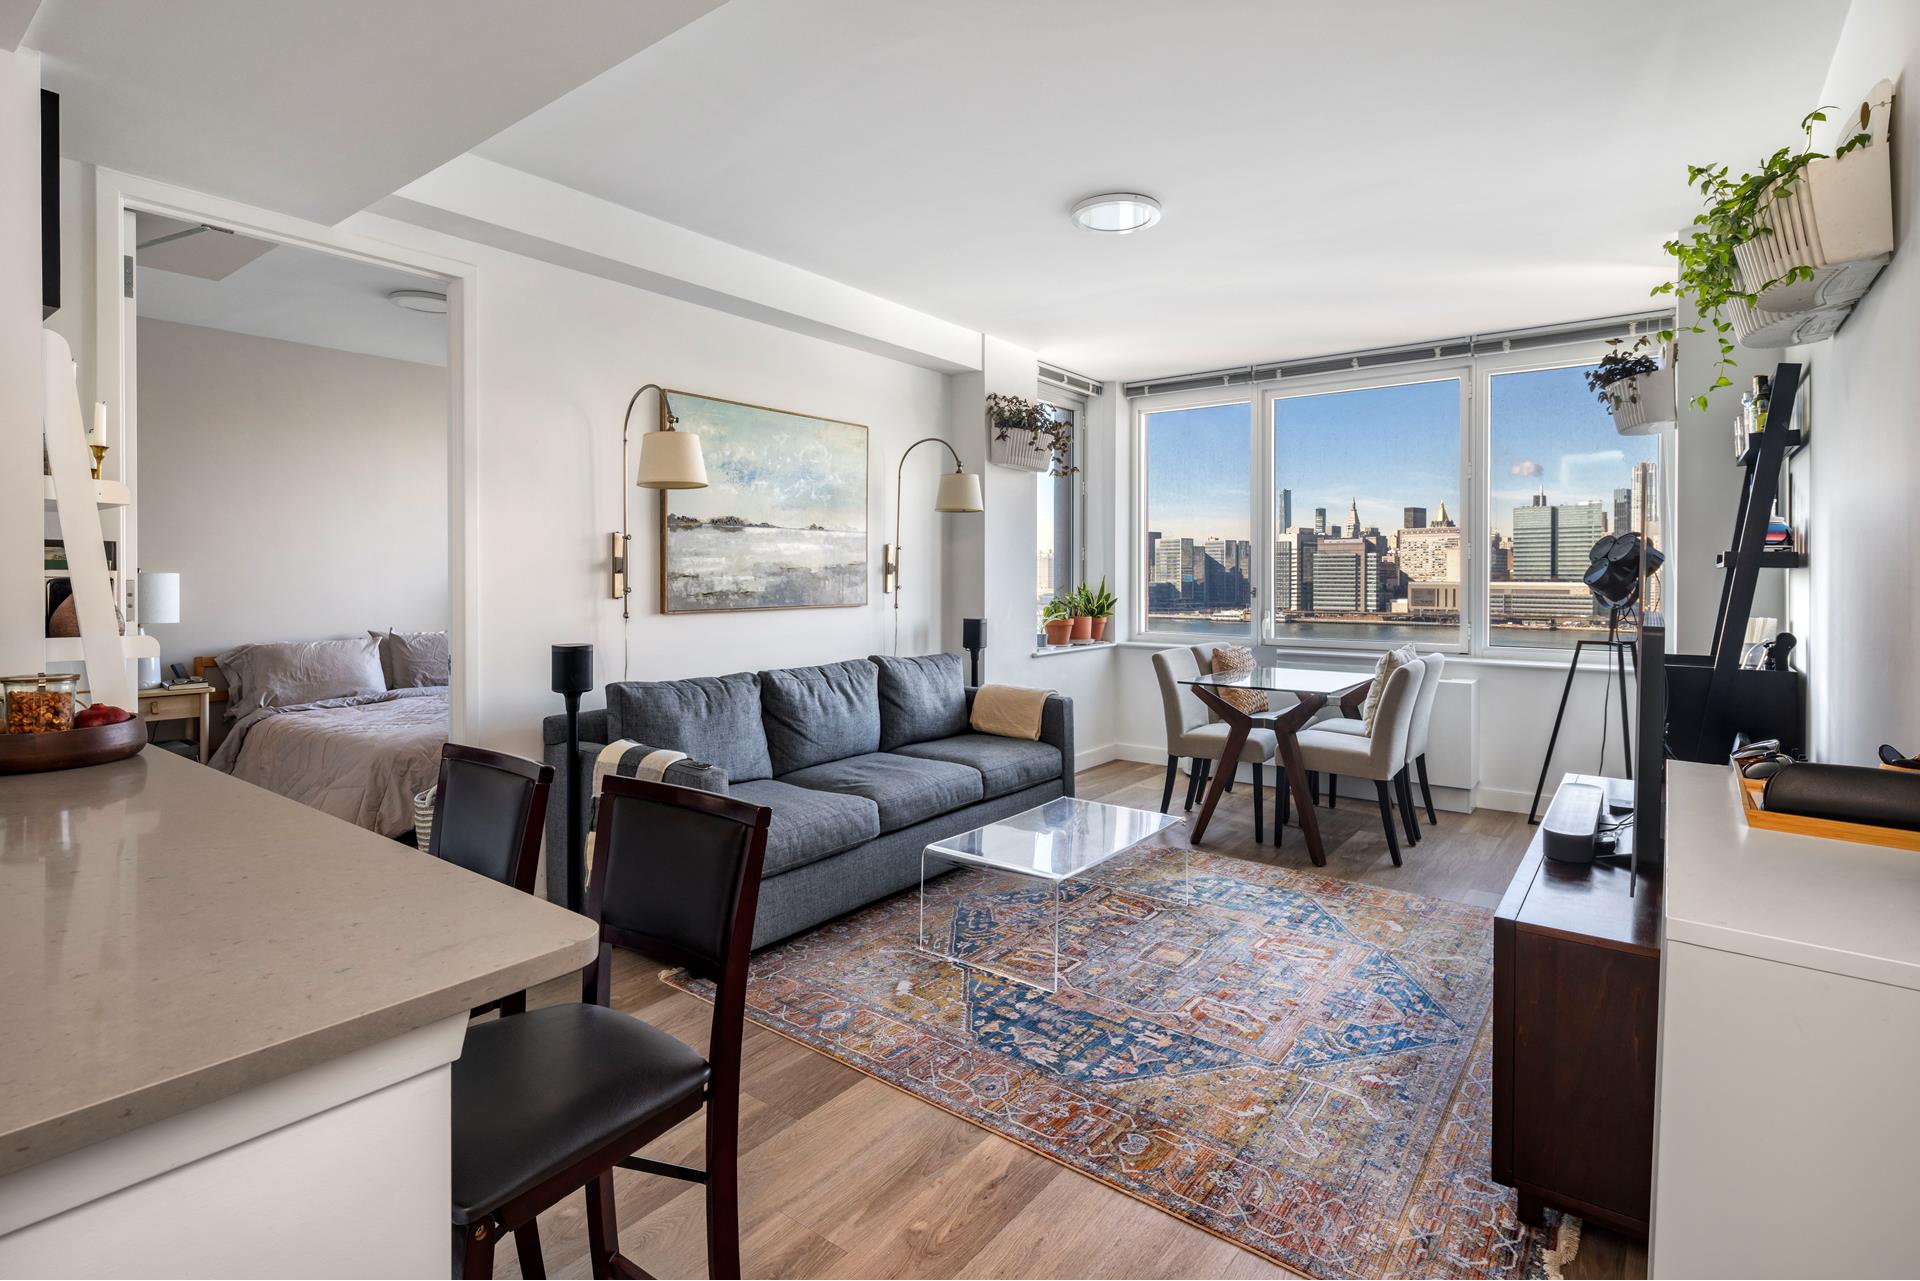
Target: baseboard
1092,756
1502,798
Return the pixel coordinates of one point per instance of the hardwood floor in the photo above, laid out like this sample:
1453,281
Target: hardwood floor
844,1176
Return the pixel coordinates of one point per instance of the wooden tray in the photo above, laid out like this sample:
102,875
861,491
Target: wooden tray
70,749
1753,789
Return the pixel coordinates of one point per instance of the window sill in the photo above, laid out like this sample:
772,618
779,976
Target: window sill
1048,651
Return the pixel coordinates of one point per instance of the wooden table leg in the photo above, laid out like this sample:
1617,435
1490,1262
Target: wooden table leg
1238,723
1284,726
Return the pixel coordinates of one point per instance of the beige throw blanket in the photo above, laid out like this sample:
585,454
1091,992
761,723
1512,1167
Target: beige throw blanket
1010,711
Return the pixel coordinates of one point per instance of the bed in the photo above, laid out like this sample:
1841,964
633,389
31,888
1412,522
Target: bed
360,755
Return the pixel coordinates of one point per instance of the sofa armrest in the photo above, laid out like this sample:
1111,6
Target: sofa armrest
1056,728
593,727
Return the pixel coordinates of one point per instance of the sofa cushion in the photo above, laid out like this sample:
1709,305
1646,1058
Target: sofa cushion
906,790
920,698
715,719
1004,764
816,714
808,825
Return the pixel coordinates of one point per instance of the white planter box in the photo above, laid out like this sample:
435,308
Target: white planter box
1642,405
1021,450
1837,219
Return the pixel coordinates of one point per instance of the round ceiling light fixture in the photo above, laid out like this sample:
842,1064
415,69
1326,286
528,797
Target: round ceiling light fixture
1117,212
421,300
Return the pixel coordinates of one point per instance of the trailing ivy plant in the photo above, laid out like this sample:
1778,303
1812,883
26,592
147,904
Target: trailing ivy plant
1621,365
1037,419
1708,273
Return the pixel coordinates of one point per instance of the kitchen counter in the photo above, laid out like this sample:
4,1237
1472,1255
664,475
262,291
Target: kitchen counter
174,939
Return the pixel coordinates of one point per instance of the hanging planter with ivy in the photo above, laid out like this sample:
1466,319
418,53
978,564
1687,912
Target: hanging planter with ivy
1781,255
1029,435
1637,388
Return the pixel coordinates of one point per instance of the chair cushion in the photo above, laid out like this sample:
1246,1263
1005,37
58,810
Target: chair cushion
808,825
920,698
815,714
534,1093
1004,764
1210,742
1332,752
1340,725
905,789
715,719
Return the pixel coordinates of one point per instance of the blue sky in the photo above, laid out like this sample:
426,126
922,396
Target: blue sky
1387,448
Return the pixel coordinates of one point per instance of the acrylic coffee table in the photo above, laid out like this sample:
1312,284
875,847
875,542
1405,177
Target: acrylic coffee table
1054,843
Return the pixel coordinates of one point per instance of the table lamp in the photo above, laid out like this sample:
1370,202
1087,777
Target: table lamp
158,597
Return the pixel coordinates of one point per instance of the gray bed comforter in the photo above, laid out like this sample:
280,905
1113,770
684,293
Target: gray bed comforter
361,758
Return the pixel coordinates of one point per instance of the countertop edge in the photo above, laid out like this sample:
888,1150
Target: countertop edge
44,1140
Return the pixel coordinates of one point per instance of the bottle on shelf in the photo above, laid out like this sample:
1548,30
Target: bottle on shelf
1761,394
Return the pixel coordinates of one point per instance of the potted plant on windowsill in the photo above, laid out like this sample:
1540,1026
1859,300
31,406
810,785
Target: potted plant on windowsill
1099,606
1780,256
1026,434
1637,389
1057,619
1079,605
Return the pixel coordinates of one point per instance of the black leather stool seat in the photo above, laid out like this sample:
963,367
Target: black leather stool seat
533,1092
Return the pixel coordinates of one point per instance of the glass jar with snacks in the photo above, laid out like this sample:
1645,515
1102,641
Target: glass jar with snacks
39,704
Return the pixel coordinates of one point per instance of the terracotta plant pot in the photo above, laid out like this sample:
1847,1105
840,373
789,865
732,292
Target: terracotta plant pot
1058,629
1100,628
1082,628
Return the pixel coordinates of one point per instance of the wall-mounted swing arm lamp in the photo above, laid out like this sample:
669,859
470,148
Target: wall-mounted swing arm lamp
669,459
959,491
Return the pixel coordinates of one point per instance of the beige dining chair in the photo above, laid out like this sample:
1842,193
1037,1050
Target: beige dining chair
1192,732
1433,665
1381,755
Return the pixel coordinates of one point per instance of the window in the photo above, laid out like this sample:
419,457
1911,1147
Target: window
1558,478
1057,542
1367,547
1199,572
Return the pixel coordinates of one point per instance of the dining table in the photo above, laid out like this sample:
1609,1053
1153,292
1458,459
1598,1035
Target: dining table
1310,687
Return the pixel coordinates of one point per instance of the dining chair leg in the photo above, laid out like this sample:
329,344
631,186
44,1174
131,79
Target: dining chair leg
1232,771
1282,798
526,1243
1333,791
1193,780
1403,796
603,1228
1386,820
1313,784
1259,807
723,1183
1420,764
1166,794
473,1250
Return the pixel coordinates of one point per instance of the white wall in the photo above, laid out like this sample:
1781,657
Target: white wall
298,491
560,354
1859,611
21,645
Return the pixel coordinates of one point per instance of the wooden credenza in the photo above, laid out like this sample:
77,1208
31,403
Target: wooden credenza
1576,986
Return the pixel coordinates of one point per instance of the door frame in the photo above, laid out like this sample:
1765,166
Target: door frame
117,194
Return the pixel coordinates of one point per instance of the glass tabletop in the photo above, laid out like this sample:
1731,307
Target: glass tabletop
1054,841
1286,680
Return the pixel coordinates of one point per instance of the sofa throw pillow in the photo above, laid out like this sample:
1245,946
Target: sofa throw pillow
1390,662
715,719
290,672
818,714
414,660
921,699
1231,660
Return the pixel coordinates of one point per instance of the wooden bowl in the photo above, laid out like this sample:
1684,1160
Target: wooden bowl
70,749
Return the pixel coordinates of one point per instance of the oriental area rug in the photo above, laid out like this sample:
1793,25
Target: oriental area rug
1297,1063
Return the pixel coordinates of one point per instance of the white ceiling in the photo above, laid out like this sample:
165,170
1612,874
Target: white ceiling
1335,176
295,295
322,107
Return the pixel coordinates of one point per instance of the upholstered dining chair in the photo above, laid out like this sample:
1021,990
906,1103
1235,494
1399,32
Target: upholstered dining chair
489,809
550,1102
1192,732
1379,756
1348,722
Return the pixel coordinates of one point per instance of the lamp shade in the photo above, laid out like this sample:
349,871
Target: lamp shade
959,492
159,598
671,460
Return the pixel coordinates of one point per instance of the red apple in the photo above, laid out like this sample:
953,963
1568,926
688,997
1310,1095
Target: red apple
100,714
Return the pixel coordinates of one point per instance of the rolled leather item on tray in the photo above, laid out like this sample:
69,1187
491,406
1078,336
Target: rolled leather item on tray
1848,794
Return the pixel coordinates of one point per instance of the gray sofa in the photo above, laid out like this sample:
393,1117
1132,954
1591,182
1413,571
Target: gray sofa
862,763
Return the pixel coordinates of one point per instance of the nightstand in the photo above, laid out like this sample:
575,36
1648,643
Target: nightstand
161,704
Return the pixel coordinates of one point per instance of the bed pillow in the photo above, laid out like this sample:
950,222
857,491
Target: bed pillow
411,660
289,672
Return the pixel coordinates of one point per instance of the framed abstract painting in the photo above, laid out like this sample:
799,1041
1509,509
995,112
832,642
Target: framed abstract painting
782,523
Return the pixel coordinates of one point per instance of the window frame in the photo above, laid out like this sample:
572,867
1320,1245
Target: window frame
1143,407
1073,485
1474,639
